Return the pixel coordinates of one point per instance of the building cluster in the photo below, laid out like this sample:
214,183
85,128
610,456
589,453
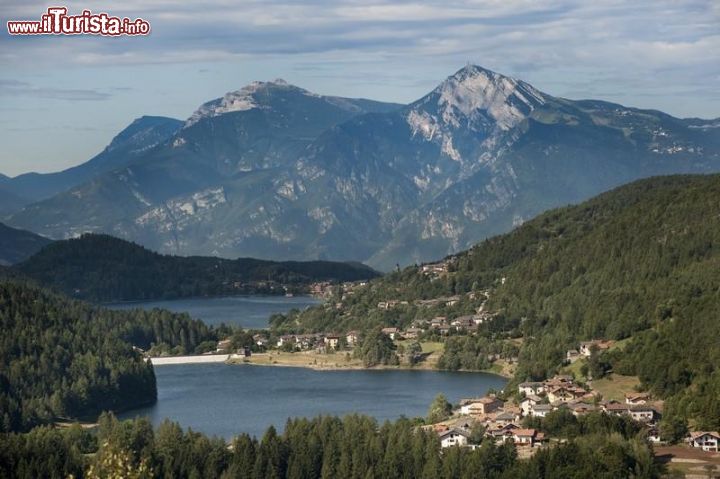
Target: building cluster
319,341
437,270
500,422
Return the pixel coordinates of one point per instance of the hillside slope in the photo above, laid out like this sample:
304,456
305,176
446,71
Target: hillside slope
17,245
640,261
104,268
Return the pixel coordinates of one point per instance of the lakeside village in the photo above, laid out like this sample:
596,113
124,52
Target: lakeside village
510,416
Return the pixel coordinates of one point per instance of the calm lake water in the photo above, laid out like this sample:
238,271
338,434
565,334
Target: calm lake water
226,400
246,311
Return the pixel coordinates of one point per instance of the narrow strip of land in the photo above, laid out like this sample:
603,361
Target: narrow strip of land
205,358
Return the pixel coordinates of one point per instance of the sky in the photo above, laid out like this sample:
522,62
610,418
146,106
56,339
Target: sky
62,99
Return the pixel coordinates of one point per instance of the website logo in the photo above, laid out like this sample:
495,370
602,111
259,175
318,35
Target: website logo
56,21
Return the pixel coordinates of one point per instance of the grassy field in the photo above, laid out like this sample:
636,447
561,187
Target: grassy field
615,386
338,360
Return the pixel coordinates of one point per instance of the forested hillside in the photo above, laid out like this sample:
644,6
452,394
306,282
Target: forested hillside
64,358
638,262
17,245
104,268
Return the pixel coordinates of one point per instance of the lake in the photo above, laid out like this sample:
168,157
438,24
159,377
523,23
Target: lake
250,312
225,400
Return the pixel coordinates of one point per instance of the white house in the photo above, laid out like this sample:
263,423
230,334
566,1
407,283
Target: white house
635,399
454,437
528,402
541,410
526,437
480,406
705,440
529,388
642,413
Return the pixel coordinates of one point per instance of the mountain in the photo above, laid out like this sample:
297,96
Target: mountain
273,171
104,268
17,245
141,135
10,202
637,264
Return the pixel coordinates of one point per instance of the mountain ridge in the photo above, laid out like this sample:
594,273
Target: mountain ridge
294,176
105,268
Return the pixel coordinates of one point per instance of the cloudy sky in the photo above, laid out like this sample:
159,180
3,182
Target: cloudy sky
63,98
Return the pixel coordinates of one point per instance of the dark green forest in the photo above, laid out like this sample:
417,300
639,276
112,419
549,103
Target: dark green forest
640,262
63,358
104,268
354,447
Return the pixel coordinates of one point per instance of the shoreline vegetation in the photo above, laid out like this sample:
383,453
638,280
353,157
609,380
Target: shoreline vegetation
314,361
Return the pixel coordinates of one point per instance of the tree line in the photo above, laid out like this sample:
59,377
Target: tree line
353,447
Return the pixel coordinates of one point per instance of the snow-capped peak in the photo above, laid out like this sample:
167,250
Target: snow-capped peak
239,100
476,93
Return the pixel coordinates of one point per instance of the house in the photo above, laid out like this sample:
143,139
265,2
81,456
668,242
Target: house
445,330
580,408
332,341
438,322
392,332
529,388
506,417
559,380
224,346
541,410
412,333
614,407
261,340
565,393
636,398
587,346
464,322
501,434
352,337
572,355
528,402
480,406
705,440
452,300
642,413
285,339
454,437
526,437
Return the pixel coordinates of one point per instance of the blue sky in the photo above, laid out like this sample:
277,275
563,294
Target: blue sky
63,98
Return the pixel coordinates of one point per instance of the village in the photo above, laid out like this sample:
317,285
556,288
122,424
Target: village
504,417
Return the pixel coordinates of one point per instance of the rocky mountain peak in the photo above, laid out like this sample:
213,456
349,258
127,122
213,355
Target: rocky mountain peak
474,94
251,96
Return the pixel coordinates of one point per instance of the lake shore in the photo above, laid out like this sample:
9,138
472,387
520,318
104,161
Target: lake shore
339,362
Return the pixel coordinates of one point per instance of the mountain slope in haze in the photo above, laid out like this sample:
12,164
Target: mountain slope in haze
10,202
185,197
104,268
273,171
17,245
639,262
141,135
